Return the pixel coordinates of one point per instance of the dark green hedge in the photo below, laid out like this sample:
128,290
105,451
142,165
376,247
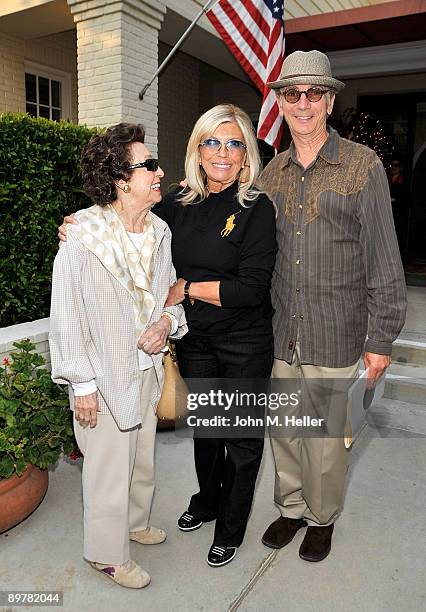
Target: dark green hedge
39,183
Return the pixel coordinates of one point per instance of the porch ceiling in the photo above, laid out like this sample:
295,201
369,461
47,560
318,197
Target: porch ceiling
202,44
40,18
373,23
383,24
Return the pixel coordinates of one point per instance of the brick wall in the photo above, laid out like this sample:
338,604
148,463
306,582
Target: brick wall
217,87
178,110
97,40
57,51
117,54
12,84
187,88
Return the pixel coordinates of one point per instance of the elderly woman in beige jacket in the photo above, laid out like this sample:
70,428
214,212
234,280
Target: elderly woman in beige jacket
108,328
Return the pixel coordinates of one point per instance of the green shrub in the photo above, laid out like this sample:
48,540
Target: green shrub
35,421
39,183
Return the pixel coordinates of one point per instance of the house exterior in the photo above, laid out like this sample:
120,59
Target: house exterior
87,60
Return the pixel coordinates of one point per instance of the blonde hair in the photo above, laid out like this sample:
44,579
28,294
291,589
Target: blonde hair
195,175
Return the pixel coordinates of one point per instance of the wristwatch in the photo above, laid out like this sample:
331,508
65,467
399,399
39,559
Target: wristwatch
186,293
186,289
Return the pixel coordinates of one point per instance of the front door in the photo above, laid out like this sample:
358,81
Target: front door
403,118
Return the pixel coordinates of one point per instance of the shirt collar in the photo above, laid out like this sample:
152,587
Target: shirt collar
227,194
330,150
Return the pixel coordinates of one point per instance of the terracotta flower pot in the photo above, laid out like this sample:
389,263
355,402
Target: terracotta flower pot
20,495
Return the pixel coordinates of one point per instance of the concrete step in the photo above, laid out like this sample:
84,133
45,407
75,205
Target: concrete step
405,389
409,352
406,376
395,414
408,370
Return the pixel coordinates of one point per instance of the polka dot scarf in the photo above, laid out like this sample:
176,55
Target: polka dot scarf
102,232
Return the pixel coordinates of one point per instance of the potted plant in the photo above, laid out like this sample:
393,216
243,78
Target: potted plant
35,429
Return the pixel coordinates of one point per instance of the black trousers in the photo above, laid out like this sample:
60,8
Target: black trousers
226,468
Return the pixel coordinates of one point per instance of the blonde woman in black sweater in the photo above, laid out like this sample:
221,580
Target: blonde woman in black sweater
223,249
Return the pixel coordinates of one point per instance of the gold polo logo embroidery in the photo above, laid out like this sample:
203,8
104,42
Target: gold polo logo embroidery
229,225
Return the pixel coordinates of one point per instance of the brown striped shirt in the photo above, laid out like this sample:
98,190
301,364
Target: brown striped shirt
338,284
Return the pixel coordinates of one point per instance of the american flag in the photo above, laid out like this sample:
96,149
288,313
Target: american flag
254,32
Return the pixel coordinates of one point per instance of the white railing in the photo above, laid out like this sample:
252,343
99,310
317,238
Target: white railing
36,331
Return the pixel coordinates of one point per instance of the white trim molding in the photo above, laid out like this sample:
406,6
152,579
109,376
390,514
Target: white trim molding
379,60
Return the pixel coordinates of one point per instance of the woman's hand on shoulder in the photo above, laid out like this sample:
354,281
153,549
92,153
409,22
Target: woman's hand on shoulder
62,230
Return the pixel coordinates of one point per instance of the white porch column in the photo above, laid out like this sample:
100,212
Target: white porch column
117,47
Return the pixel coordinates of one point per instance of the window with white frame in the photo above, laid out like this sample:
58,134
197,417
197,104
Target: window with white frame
46,93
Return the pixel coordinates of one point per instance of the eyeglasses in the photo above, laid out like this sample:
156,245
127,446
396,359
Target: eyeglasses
214,144
313,94
150,164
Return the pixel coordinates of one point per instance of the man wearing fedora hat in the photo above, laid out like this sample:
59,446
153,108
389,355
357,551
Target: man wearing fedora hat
338,288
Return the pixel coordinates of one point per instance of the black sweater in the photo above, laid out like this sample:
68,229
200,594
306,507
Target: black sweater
242,261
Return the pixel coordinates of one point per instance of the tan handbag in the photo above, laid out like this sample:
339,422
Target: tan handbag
171,409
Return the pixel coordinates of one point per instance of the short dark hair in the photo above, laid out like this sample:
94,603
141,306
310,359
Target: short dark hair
105,159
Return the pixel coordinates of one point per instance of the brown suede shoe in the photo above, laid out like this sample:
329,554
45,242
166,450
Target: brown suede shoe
150,535
129,574
316,544
282,531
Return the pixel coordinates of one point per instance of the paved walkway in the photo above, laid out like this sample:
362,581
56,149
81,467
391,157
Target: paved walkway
377,561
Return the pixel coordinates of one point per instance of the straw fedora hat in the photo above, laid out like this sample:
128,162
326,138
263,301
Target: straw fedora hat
306,67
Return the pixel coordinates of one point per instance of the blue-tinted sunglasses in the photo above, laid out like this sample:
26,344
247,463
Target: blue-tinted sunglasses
214,144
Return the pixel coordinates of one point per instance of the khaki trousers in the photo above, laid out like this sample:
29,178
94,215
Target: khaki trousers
310,472
118,480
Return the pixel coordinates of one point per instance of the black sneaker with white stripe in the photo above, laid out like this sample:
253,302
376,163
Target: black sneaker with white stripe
221,555
188,522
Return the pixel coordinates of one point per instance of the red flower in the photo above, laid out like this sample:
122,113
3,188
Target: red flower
6,361
75,454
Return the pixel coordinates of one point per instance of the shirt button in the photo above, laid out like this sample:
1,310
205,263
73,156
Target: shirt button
297,290
293,316
303,178
300,205
299,233
301,317
297,262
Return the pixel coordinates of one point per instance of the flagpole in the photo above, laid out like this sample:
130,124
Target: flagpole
204,10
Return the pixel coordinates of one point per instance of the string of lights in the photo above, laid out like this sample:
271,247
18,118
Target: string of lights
368,131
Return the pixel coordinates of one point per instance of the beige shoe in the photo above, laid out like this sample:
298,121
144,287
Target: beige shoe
150,535
129,574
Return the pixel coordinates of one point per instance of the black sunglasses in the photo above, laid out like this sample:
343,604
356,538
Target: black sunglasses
314,94
150,164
